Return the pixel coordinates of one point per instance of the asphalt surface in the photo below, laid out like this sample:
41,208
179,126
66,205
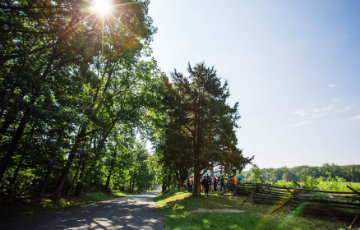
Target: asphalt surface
133,212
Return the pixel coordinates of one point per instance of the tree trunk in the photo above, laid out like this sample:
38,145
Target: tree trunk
196,192
96,149
73,181
13,179
169,180
66,169
108,180
197,153
164,184
80,180
81,185
164,187
132,182
45,182
112,165
7,160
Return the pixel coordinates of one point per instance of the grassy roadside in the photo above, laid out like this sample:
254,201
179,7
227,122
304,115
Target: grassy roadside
16,211
177,208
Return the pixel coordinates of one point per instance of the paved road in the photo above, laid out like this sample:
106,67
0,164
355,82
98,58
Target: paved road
133,212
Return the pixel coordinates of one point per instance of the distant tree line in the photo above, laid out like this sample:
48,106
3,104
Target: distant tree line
350,173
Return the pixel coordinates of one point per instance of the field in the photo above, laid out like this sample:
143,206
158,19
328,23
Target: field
323,185
177,209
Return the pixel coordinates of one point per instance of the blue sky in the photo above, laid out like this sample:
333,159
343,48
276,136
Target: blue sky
293,66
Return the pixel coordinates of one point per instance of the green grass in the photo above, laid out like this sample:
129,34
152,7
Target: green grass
16,211
176,209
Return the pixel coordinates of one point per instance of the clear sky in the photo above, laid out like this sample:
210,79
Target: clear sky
293,66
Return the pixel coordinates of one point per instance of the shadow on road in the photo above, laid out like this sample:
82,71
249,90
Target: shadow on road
134,212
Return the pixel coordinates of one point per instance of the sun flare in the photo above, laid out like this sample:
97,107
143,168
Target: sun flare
101,7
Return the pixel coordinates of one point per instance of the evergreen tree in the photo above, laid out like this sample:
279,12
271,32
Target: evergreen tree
201,135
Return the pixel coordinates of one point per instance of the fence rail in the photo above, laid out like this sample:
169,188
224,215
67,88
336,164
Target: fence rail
282,196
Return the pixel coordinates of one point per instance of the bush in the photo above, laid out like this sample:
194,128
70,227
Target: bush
311,183
255,176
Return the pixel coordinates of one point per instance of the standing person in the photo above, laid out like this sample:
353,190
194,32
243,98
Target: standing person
209,178
191,183
234,185
239,179
229,184
222,183
207,188
215,183
202,188
179,183
205,184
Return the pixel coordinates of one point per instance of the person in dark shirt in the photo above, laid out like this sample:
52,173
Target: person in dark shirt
205,183
215,183
222,184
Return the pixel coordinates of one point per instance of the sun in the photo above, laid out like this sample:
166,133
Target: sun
101,7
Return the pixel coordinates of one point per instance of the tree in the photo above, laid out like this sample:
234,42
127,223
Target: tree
201,132
286,177
255,176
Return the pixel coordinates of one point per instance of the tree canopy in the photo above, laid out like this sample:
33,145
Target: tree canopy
80,94
75,90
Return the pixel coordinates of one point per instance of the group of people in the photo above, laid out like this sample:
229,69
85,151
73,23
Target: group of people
210,184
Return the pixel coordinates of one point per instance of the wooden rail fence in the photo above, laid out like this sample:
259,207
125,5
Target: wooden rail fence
294,196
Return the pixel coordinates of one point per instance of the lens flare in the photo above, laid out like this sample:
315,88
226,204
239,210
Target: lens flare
101,7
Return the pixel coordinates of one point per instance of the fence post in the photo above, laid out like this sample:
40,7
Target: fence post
293,195
251,196
296,184
358,193
354,220
358,214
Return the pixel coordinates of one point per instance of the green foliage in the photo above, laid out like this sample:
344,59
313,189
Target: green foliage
282,183
75,91
326,182
310,183
349,173
286,176
321,184
255,174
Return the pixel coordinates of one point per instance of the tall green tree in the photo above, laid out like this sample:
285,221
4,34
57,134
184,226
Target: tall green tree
202,123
